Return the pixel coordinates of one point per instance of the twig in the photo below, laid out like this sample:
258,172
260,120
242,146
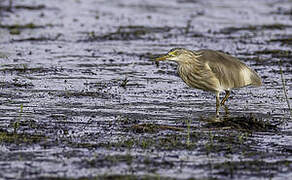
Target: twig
284,88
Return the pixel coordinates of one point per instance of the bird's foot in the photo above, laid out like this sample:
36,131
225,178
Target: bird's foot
217,119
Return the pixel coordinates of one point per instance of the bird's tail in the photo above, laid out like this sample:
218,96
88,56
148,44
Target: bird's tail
256,80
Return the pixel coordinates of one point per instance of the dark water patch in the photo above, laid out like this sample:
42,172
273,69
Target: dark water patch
188,1
105,65
24,69
256,168
168,72
112,177
124,82
103,84
275,52
30,7
286,149
231,30
148,56
149,164
126,33
10,6
287,71
244,123
15,29
93,56
17,156
271,57
98,112
22,26
43,38
147,29
102,161
81,94
284,40
16,84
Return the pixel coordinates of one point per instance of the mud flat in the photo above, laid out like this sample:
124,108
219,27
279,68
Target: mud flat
81,97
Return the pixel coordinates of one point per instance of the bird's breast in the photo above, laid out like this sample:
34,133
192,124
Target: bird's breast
198,78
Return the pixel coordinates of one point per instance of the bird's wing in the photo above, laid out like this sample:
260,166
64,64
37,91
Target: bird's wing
227,69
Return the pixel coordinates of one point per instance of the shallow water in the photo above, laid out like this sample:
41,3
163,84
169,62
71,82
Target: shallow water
78,76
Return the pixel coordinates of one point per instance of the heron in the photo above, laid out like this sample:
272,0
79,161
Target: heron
213,71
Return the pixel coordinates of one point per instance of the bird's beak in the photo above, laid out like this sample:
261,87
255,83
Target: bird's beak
162,58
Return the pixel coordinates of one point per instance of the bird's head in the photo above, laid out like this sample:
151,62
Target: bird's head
177,55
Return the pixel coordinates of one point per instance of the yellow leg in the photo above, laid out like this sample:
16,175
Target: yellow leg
226,111
217,104
227,94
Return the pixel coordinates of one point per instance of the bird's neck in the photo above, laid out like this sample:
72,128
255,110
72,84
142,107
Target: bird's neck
189,62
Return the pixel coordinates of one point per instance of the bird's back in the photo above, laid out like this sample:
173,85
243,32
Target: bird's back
230,72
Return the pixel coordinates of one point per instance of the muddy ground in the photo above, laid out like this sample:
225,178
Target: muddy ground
81,97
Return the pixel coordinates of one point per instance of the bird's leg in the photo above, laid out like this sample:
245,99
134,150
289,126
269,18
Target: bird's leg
227,94
226,111
217,104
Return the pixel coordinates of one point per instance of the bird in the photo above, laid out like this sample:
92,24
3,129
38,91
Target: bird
212,71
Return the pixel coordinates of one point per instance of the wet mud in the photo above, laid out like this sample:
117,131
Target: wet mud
82,98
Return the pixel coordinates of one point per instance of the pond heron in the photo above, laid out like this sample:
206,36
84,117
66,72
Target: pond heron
212,71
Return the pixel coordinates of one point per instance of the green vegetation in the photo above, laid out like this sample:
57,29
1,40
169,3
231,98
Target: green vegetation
17,122
6,137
